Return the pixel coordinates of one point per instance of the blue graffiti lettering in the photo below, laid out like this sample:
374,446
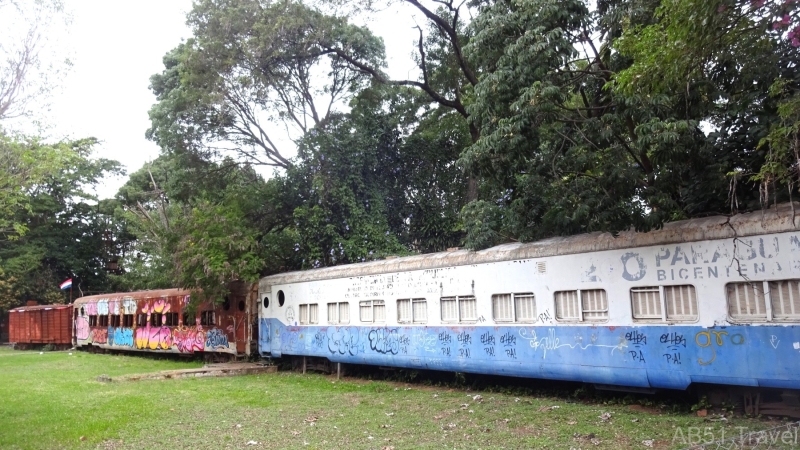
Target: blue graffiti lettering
216,338
343,340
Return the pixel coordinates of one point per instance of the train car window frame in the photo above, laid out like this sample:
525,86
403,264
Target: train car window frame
103,321
506,307
115,321
657,304
372,311
172,319
309,313
189,319
127,320
156,319
208,318
141,320
769,303
581,305
92,320
455,308
335,310
412,310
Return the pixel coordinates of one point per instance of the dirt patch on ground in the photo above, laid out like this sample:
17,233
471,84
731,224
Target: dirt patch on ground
645,409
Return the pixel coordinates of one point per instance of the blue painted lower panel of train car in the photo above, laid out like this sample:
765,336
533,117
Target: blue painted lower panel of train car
670,357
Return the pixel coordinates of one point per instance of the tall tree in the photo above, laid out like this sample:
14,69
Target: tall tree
252,69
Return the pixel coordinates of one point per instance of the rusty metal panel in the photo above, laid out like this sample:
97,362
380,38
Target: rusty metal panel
774,220
41,324
161,322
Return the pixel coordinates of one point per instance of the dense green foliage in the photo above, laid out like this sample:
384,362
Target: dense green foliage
524,119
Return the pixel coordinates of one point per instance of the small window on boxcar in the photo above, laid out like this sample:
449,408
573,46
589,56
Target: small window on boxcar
189,319
103,321
127,320
141,320
241,305
226,305
281,298
172,319
115,321
463,309
92,320
646,303
266,302
207,318
681,303
156,320
519,307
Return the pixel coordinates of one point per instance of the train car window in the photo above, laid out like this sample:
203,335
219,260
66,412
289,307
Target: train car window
189,319
463,308
172,319
372,311
404,310
419,307
92,320
449,309
646,302
412,310
240,305
266,302
103,321
127,320
672,303
748,301
115,321
344,312
519,307
156,320
226,305
785,300
141,320
207,318
524,307
309,313
589,305
339,312
681,303
502,308
281,298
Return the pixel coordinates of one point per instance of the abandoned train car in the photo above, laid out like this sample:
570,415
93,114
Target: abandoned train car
38,325
158,321
713,300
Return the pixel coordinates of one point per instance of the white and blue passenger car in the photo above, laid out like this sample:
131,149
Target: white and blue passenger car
714,300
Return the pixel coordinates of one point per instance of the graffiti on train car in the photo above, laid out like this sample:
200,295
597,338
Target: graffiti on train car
153,338
343,340
711,339
216,338
82,327
120,336
189,339
99,335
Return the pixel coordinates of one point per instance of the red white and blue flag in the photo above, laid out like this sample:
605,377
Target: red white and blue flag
66,285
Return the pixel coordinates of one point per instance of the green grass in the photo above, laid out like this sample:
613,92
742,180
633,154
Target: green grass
53,400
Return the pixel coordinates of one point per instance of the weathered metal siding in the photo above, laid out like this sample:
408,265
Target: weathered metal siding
230,332
711,347
44,324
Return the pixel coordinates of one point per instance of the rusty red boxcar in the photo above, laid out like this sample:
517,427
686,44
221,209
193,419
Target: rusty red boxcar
158,321
40,325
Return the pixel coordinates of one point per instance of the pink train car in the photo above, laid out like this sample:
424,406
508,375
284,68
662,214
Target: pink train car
158,321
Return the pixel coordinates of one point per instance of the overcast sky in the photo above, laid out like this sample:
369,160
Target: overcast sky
116,46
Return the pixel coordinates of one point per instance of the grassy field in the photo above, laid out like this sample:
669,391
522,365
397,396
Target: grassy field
53,400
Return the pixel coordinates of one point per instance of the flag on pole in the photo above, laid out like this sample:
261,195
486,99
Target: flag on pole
66,285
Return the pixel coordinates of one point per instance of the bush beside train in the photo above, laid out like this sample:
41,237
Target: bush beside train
714,300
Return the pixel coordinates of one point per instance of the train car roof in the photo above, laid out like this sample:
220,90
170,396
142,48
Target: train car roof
778,219
156,293
38,308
